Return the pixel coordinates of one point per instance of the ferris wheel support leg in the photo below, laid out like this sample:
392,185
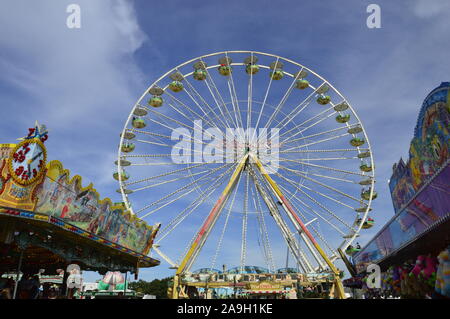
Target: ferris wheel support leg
290,211
206,228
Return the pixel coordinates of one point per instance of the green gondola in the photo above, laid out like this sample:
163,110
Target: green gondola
276,74
124,175
343,119
252,68
323,99
138,122
128,147
301,84
156,101
199,74
366,168
225,70
357,141
176,86
366,195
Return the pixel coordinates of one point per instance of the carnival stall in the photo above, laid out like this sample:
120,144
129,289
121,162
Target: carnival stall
48,220
412,249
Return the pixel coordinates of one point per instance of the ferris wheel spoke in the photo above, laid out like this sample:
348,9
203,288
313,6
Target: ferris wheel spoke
264,233
244,224
233,95
158,144
195,92
191,110
327,244
250,97
204,195
164,174
264,101
163,136
210,83
300,107
321,175
152,143
226,116
316,134
235,103
186,187
313,211
175,121
173,147
170,181
192,138
329,168
325,151
312,125
316,202
263,187
321,184
190,119
230,207
177,198
283,159
149,133
299,127
281,104
322,194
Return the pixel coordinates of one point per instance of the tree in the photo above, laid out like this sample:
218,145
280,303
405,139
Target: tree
157,287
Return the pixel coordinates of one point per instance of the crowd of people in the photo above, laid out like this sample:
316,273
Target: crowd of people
28,287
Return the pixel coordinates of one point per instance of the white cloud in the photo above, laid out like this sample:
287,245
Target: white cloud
428,9
81,83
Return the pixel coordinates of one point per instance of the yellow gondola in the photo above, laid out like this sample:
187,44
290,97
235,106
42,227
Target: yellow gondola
124,175
199,74
176,86
323,99
365,194
156,101
138,122
128,147
225,70
357,141
252,68
343,119
301,84
277,74
366,168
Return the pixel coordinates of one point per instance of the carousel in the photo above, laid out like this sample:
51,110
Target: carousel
254,282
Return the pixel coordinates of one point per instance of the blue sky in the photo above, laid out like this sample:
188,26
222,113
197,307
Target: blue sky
82,83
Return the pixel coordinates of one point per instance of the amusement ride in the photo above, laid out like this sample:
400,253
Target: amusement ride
238,152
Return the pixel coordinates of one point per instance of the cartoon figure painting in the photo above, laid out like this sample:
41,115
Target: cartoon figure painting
65,198
65,209
429,149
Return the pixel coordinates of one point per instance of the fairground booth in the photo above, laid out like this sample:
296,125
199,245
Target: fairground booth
412,249
49,221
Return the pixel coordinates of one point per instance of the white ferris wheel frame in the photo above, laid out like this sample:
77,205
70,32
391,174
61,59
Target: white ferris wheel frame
349,238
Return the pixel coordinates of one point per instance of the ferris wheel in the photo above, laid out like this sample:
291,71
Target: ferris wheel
253,152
